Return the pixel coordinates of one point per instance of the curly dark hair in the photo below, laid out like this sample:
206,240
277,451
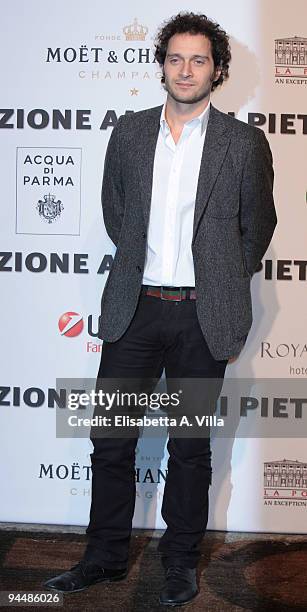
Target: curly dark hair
196,23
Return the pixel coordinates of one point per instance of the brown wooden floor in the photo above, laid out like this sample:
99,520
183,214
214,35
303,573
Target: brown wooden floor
237,571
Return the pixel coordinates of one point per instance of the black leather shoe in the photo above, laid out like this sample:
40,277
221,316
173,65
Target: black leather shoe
81,576
180,586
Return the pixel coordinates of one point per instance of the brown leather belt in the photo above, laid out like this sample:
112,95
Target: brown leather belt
176,294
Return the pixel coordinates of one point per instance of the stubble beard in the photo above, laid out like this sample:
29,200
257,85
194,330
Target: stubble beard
204,93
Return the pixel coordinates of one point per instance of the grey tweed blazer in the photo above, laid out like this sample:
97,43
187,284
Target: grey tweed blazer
234,220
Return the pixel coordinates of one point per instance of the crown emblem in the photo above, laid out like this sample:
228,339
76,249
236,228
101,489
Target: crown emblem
135,31
48,209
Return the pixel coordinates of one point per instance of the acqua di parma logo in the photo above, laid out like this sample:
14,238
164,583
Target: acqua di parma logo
48,194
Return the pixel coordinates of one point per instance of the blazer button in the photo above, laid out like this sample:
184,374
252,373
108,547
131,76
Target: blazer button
139,269
144,234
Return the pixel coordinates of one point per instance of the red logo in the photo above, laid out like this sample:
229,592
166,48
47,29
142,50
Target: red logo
70,324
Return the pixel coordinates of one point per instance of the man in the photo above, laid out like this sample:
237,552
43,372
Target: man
187,200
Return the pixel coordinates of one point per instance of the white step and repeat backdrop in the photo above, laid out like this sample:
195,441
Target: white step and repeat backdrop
68,71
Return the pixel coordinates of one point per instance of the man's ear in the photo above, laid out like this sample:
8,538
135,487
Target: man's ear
217,74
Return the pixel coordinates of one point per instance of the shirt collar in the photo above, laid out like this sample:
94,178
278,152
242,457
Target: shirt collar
201,119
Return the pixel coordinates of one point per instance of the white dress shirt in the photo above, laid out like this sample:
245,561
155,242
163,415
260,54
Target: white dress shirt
169,259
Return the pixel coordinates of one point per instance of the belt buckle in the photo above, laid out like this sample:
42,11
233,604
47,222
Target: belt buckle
170,299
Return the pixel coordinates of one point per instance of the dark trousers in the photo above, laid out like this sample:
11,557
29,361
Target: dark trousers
162,334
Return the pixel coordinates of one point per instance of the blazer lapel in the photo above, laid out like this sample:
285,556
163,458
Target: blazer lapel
146,147
215,148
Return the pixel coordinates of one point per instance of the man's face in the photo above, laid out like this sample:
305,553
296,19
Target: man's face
189,68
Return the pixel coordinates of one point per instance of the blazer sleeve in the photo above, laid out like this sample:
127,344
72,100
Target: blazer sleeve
257,211
112,192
